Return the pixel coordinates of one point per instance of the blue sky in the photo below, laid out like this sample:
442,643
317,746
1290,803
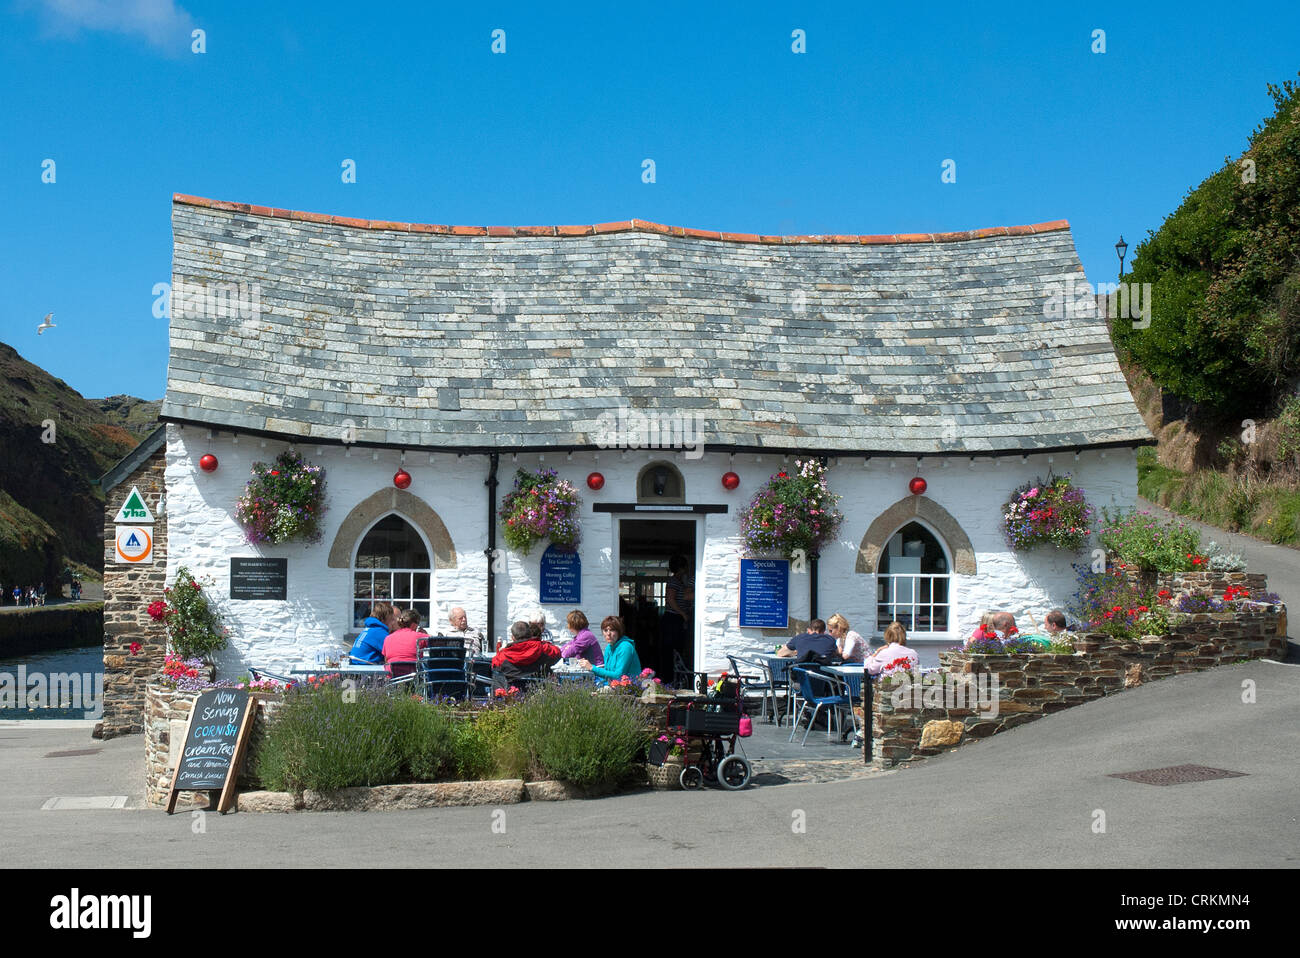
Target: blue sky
746,135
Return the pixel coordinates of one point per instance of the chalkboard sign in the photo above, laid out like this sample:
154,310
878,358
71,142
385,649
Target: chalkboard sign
561,576
259,578
214,745
764,593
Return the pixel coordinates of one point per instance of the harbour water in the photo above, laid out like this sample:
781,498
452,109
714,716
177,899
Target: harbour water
56,669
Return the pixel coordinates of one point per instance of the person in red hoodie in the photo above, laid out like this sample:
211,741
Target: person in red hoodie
400,644
525,657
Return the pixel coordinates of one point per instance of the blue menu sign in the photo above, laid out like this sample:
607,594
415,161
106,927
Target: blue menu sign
561,577
764,593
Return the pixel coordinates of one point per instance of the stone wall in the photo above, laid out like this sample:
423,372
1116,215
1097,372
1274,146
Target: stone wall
166,716
1214,582
318,614
128,590
908,726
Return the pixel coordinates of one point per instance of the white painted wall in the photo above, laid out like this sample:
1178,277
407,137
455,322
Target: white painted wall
204,535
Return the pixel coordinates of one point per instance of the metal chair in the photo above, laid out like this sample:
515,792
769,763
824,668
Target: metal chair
749,683
442,668
835,700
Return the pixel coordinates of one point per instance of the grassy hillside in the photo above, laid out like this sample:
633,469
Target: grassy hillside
53,445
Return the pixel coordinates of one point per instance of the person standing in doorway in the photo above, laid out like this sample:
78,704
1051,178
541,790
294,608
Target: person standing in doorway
679,602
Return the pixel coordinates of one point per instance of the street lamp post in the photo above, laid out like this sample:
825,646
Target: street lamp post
1120,249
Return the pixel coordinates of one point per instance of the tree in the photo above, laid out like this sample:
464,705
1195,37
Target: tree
1225,275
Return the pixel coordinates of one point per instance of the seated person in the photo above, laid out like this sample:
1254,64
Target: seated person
459,622
584,644
895,648
1004,624
537,619
985,629
525,657
400,645
369,646
1053,625
851,646
620,653
815,645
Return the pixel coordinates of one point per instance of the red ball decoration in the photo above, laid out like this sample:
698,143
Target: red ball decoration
730,481
595,481
208,463
917,486
401,479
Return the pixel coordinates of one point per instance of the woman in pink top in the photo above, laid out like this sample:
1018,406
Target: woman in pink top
400,644
895,648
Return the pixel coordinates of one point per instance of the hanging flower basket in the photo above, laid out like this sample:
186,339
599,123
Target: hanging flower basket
793,514
542,507
283,501
1052,512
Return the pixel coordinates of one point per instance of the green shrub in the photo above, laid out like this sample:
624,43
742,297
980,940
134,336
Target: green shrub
1287,425
487,746
318,740
1140,539
574,736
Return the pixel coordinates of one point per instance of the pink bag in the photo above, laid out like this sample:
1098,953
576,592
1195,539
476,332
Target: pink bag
746,727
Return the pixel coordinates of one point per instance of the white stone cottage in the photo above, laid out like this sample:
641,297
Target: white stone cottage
460,354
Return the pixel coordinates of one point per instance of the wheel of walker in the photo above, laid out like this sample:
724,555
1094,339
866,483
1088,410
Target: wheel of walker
691,778
734,772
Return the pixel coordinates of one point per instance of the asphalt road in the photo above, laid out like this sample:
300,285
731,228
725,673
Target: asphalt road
1035,796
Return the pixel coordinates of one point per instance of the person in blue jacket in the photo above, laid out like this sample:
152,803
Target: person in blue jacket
369,646
620,653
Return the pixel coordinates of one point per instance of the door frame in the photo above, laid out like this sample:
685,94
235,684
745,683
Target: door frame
697,519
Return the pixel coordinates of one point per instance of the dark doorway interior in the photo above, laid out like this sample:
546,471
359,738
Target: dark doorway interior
645,548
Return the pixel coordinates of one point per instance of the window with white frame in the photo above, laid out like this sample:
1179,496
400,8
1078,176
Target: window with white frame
913,584
392,565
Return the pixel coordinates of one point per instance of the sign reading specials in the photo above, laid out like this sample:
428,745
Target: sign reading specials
134,543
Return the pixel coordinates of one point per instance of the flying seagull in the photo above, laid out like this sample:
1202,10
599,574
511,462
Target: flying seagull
45,324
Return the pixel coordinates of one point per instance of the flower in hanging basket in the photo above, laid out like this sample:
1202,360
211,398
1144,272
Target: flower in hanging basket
1053,512
792,514
542,507
283,503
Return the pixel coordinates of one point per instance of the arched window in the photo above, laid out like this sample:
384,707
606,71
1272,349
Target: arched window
660,482
392,565
912,583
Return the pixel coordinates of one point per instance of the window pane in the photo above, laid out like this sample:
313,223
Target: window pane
401,585
361,585
421,586
392,544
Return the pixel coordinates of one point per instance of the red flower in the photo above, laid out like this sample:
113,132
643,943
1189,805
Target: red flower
135,647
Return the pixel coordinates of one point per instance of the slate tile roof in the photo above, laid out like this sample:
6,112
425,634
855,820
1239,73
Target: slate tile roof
472,338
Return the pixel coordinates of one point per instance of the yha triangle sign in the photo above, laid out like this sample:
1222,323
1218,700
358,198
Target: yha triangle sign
134,510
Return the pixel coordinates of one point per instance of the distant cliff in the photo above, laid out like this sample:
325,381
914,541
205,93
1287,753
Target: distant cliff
53,444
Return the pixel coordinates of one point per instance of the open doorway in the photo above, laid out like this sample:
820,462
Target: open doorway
647,548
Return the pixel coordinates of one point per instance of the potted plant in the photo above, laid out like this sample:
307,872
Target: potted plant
793,515
283,501
542,506
667,774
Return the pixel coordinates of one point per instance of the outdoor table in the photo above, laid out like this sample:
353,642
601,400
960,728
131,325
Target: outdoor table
780,666
355,668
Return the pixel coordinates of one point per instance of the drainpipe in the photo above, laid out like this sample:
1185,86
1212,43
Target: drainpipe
490,552
812,587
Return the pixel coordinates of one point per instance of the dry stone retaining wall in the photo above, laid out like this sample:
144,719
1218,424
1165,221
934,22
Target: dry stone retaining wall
1031,686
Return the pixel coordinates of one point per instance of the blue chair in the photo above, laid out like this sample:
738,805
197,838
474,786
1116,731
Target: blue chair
822,692
442,667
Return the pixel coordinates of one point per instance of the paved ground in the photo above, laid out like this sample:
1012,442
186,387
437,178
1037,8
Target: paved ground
1032,796
1281,563
90,592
